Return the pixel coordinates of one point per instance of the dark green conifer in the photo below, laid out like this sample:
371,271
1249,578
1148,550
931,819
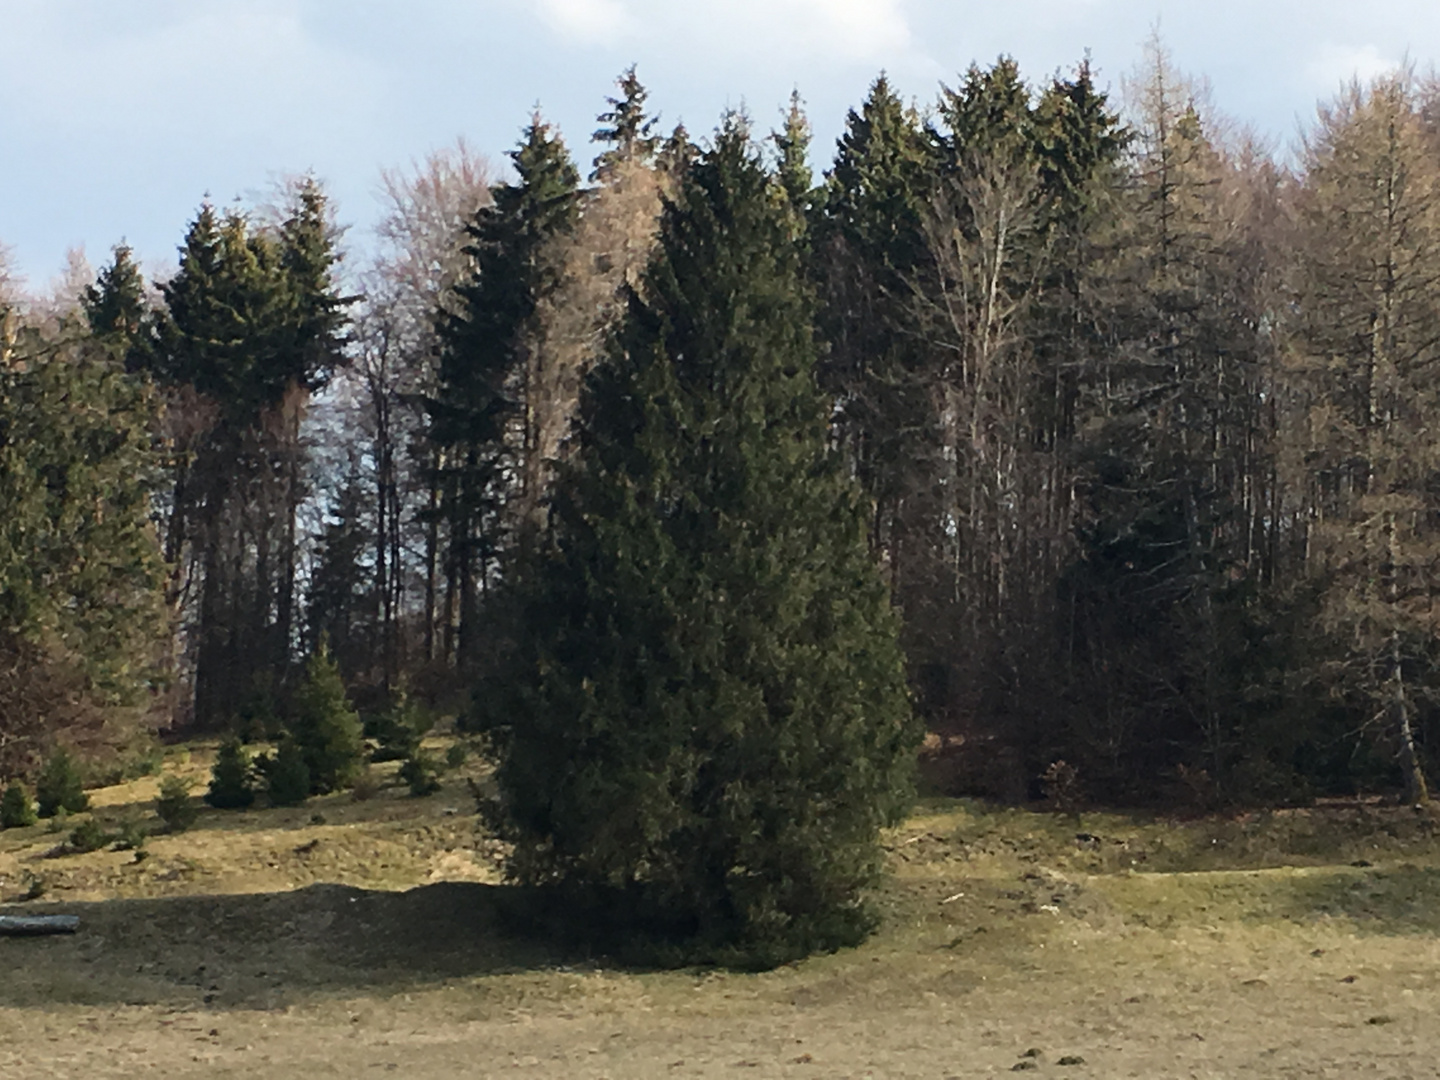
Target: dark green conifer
232,785
325,726
60,786
628,129
287,777
708,705
115,306
794,178
16,809
473,414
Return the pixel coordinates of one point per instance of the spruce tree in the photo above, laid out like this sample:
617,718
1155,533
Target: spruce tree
287,777
626,129
325,726
476,410
60,786
707,708
16,809
231,785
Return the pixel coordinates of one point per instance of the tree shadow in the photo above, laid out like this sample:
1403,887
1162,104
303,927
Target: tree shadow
269,950
1394,901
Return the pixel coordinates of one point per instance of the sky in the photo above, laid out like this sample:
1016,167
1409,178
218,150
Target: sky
118,118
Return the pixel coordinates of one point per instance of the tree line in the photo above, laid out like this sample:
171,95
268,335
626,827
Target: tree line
1133,417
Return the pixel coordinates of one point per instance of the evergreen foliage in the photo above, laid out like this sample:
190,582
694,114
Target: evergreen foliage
287,777
627,130
479,401
325,726
421,773
232,785
16,808
81,600
707,705
60,785
398,729
174,806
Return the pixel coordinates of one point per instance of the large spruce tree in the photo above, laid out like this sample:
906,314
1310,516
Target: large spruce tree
477,414
707,708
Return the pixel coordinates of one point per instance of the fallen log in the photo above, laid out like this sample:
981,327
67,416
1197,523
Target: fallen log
34,925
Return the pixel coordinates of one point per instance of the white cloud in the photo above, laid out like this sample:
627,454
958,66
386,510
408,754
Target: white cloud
589,21
845,30
1335,64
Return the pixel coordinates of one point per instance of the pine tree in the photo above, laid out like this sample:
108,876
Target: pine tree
792,148
287,777
115,306
16,809
340,603
868,248
325,726
707,705
253,324
477,411
60,786
231,785
626,128
81,602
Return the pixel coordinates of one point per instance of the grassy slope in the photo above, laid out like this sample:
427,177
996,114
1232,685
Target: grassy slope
1279,944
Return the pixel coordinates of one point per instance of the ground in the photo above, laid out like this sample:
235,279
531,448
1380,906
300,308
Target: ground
359,938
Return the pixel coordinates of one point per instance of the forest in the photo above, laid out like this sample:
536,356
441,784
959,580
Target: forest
1072,425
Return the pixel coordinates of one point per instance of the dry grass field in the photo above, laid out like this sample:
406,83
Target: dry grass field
360,938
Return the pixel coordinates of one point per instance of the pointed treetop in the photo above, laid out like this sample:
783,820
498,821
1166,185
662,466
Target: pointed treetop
627,129
115,305
678,152
792,146
989,114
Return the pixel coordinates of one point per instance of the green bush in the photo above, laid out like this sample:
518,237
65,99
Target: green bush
326,727
398,729
287,777
16,809
89,835
422,773
130,834
232,784
455,755
175,807
61,786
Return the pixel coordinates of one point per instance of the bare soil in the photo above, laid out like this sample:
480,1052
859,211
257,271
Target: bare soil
357,939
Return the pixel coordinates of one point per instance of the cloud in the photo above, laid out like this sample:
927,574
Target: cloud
1335,64
588,21
845,30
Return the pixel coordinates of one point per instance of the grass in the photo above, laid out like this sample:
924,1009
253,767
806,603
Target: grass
344,935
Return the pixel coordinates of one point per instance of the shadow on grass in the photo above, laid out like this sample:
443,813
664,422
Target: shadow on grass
268,950
1396,901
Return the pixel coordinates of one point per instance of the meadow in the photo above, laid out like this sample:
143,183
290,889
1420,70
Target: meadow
363,937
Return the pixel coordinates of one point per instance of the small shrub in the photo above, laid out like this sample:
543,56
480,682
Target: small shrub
287,776
455,755
89,835
232,786
61,786
130,835
175,807
16,809
36,889
422,773
366,786
398,729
